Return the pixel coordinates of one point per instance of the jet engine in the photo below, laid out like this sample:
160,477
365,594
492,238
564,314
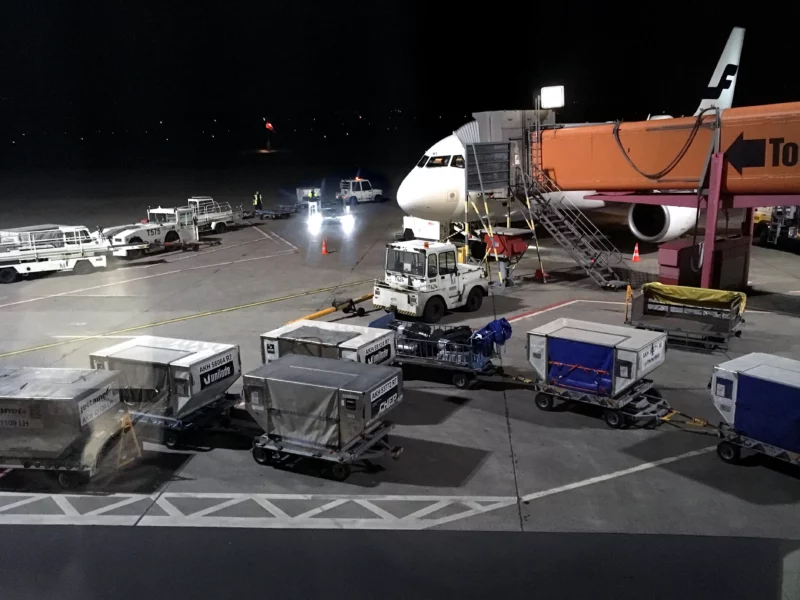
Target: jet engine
658,224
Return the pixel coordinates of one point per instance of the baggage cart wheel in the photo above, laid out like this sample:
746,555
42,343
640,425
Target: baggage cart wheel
461,380
71,480
544,401
340,471
261,456
8,275
434,310
172,440
729,453
83,267
614,418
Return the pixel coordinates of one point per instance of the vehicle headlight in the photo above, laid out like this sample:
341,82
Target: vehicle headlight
348,223
315,223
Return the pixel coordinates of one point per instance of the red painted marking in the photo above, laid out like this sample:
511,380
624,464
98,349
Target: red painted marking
539,310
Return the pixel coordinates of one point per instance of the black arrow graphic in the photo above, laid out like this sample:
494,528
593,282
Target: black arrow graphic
744,153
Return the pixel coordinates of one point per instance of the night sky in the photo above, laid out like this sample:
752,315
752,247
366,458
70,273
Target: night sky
169,68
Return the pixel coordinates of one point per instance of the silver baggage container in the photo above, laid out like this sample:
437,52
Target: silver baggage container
57,414
170,376
321,402
329,340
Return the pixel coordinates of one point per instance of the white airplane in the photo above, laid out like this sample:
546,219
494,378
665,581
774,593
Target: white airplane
434,189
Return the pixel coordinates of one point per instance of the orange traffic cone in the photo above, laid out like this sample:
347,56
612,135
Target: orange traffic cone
636,254
325,246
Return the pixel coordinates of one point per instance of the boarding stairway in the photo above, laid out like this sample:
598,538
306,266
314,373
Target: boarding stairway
489,171
570,227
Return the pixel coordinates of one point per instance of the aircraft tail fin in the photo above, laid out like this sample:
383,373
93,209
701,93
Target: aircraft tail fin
719,93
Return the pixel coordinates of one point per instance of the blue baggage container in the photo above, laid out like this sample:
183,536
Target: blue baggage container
599,359
758,396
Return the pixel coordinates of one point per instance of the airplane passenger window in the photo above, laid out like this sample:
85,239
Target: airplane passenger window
422,161
438,161
458,161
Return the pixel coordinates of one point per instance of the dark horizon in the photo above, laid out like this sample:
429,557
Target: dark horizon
89,86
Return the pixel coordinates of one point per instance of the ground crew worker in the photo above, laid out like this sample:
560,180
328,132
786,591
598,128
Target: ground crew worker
312,195
257,201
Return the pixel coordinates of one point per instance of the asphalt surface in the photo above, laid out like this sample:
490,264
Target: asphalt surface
635,511
71,563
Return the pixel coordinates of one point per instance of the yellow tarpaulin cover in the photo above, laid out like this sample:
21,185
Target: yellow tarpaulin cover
699,297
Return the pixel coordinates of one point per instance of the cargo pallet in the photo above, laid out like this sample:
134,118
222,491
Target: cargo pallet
640,402
730,448
272,450
173,430
702,326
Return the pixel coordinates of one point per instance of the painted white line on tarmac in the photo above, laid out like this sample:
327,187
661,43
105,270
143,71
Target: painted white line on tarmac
579,484
268,515
189,255
98,337
134,279
285,241
558,305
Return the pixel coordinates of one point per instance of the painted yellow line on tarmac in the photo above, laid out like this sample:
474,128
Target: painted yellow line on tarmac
186,318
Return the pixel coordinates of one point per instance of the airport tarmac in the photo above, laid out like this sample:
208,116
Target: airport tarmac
483,459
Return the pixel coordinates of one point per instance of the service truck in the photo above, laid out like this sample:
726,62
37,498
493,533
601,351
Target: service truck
423,279
50,248
355,191
163,229
208,214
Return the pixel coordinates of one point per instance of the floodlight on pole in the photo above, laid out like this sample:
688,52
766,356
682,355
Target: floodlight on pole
552,97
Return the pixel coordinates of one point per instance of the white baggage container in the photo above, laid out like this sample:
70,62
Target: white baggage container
56,418
329,340
594,358
171,376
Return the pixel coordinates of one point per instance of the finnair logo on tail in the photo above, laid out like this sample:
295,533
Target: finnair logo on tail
725,82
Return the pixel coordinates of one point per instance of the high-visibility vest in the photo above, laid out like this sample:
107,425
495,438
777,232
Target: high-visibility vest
255,199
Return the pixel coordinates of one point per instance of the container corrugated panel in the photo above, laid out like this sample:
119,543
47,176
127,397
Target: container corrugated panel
45,413
329,340
594,357
758,395
169,375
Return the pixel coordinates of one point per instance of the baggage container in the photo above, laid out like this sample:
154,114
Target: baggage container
57,419
758,396
170,376
321,402
329,340
593,358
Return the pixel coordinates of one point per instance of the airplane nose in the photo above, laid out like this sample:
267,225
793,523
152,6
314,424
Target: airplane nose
419,200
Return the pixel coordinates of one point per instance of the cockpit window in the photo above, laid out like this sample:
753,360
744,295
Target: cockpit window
422,161
438,161
458,161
